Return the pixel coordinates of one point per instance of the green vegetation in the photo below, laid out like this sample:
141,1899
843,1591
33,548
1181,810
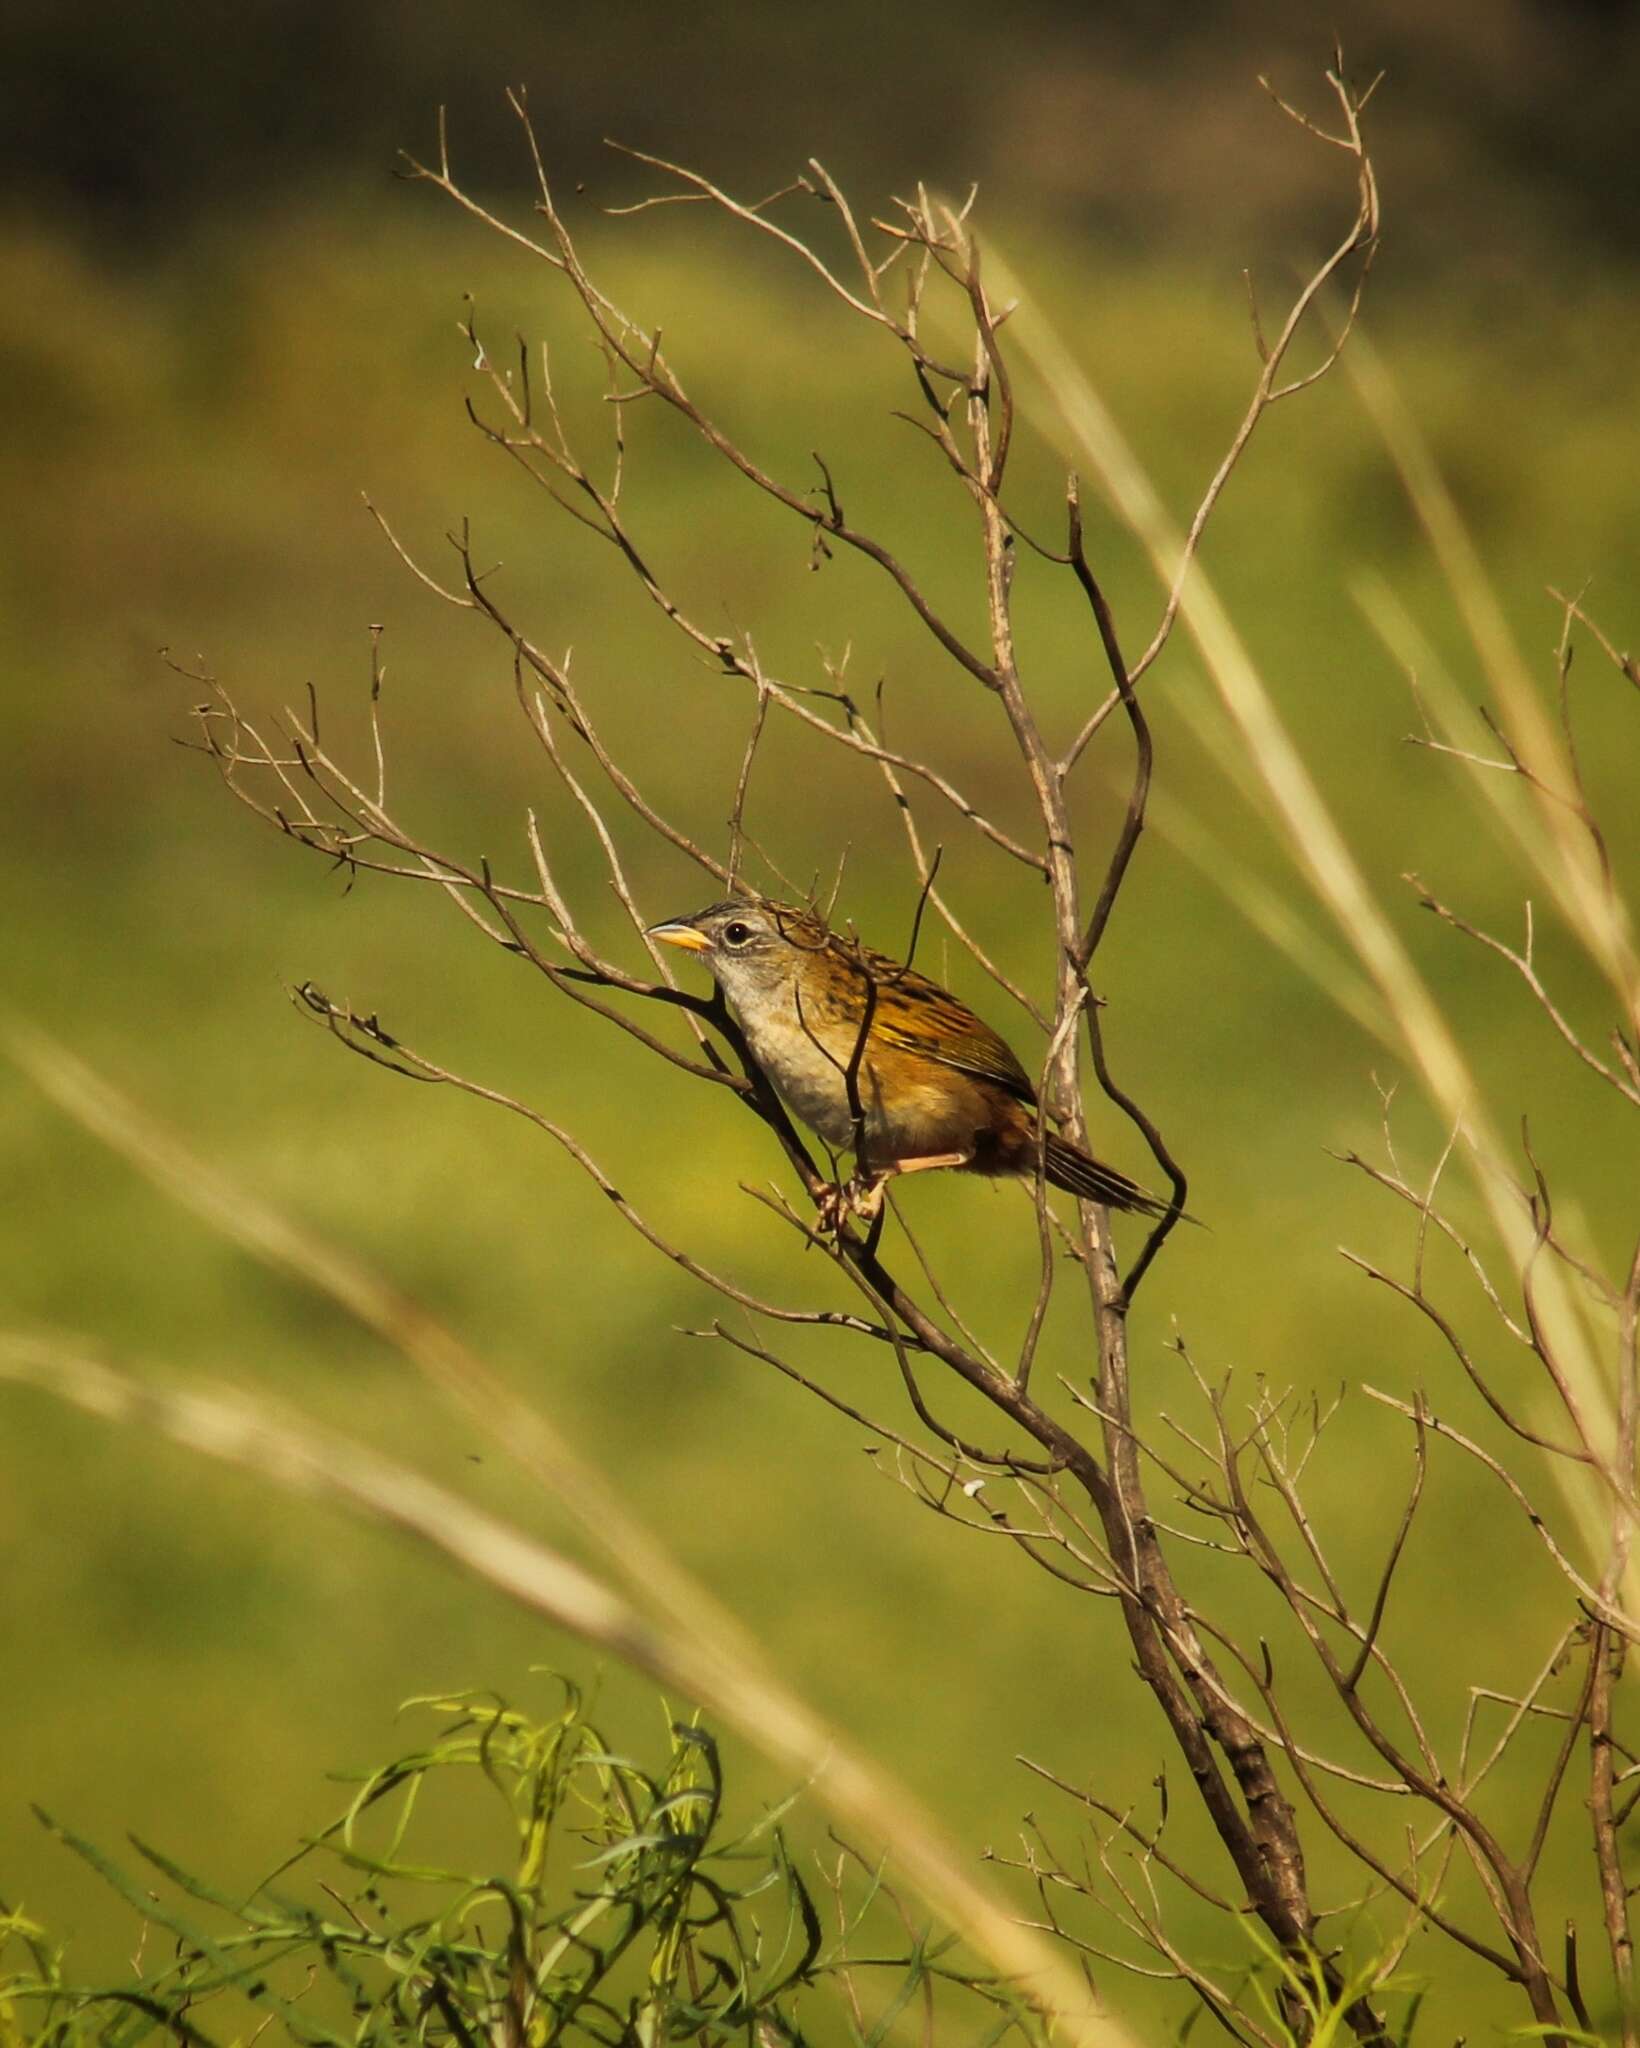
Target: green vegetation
615,1905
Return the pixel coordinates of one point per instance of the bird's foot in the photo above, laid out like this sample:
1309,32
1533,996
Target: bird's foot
861,1195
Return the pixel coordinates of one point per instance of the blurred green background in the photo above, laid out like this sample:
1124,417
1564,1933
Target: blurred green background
222,322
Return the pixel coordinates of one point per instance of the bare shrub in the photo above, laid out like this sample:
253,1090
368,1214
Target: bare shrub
1340,1803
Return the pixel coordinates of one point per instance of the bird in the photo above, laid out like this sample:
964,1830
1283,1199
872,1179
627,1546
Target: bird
836,1026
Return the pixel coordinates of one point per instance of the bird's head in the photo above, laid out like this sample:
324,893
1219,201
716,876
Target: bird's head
753,949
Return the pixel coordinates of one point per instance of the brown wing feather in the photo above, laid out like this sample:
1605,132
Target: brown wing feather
916,1015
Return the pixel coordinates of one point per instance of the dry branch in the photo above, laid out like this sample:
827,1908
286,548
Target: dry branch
1073,1477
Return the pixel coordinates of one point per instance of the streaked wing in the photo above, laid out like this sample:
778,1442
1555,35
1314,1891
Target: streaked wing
916,1015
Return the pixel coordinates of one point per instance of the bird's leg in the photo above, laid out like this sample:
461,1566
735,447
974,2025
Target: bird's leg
862,1194
929,1162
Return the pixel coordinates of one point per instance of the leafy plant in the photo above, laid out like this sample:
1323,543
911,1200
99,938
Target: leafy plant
617,1906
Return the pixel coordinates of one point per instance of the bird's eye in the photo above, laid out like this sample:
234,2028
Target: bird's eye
737,934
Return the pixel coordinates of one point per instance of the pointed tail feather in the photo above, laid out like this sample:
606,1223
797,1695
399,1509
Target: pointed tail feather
1077,1174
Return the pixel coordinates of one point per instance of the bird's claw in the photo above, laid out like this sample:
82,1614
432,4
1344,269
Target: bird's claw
861,1196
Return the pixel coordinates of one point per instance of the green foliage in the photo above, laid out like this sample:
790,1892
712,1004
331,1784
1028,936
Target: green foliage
617,1907
1283,1987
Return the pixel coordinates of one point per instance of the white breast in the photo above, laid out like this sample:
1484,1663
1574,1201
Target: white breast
808,1062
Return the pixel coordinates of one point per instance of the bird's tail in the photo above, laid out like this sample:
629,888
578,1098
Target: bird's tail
1069,1168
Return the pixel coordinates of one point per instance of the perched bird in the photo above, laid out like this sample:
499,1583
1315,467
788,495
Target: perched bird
935,1085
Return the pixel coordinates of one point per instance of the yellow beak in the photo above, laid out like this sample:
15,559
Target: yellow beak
678,933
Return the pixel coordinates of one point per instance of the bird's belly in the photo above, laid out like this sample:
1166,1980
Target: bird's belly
912,1108
817,1091
808,1059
